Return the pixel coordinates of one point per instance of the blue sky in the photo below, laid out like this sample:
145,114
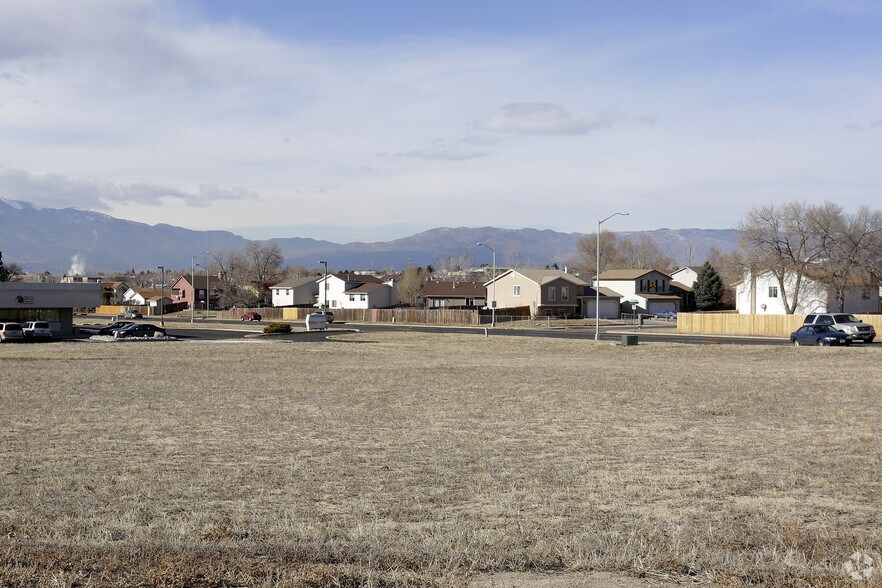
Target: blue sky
375,120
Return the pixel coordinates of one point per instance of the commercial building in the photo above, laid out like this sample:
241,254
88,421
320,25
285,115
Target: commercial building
54,303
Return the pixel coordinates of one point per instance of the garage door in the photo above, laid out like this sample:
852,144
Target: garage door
659,306
608,309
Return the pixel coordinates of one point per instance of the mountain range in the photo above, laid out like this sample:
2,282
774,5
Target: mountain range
74,241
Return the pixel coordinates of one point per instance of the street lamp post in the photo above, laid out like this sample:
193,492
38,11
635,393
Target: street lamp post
597,277
493,304
161,295
325,285
193,285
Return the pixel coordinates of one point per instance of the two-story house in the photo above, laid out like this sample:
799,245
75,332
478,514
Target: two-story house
302,291
548,292
347,290
643,291
760,293
189,288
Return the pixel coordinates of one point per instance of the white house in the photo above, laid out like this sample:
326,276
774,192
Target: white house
761,294
643,291
138,297
686,275
301,291
356,291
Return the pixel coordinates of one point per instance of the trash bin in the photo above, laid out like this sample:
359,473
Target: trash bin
628,340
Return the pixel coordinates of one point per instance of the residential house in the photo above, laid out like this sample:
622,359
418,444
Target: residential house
113,292
138,297
761,293
546,291
188,289
349,290
643,291
455,294
687,276
609,303
302,291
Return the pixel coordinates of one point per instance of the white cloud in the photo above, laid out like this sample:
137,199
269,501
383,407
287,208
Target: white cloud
57,190
439,151
529,118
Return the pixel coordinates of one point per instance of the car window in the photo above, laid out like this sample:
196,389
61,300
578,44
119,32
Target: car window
809,318
825,320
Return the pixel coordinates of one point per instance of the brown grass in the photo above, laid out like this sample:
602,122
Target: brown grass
407,459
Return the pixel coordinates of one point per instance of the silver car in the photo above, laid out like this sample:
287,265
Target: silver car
11,332
847,323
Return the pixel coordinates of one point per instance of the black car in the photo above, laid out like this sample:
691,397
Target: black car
139,330
113,327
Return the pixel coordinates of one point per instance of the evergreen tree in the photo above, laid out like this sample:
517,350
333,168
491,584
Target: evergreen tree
708,288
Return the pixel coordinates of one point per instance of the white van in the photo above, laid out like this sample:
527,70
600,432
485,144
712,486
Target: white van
11,332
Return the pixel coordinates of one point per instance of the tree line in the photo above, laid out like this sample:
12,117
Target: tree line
796,240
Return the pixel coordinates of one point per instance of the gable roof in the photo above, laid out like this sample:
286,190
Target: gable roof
366,288
295,282
542,276
604,293
457,289
628,274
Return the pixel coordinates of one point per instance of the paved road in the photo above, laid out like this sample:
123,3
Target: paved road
655,332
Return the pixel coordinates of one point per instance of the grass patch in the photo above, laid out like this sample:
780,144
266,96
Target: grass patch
417,460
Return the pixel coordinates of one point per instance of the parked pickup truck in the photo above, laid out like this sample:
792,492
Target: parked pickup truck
847,323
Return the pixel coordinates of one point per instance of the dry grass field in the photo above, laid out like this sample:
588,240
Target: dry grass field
406,459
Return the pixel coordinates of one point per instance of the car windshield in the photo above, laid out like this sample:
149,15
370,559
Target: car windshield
845,318
41,325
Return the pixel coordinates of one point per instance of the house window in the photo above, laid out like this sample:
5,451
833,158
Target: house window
552,293
564,293
352,298
469,301
865,294
363,297
287,291
517,291
773,291
334,303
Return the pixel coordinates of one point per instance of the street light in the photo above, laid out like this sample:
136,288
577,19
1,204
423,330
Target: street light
325,285
597,277
161,295
493,304
193,284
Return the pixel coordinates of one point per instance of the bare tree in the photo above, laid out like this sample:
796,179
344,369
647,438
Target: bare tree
787,240
450,264
644,254
852,243
233,275
410,285
586,248
265,262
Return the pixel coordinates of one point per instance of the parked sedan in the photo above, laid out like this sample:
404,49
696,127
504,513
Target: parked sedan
112,327
133,314
138,330
251,316
819,335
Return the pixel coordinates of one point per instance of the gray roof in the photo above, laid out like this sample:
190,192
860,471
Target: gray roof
296,282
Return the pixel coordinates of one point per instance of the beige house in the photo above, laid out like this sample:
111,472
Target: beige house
548,292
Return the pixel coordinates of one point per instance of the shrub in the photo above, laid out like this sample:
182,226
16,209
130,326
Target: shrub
277,328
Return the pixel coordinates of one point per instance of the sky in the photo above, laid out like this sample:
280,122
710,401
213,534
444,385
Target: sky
370,121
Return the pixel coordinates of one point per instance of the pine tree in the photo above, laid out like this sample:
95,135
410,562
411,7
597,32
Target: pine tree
708,288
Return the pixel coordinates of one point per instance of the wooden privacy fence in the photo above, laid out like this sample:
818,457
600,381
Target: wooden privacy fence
418,316
758,325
